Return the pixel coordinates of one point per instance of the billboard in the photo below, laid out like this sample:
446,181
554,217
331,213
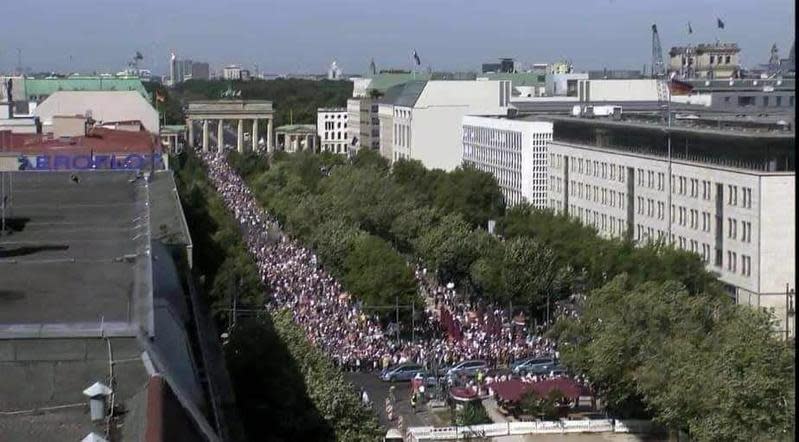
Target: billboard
133,161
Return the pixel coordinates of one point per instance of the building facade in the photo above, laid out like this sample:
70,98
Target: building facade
514,151
231,72
331,126
719,60
363,124
739,221
423,120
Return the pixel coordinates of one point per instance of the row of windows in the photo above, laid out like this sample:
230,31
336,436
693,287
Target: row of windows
335,116
598,169
500,138
600,221
732,263
331,125
336,135
746,230
746,196
402,135
749,100
597,194
402,113
498,157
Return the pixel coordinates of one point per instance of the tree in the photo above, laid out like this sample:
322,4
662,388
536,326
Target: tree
333,241
529,271
696,363
376,274
410,225
473,194
447,247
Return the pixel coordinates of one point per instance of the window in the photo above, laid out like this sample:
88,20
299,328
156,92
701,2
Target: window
661,176
779,101
727,59
765,101
660,209
746,101
713,59
640,205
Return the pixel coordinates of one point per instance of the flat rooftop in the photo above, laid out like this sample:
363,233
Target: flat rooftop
712,124
76,253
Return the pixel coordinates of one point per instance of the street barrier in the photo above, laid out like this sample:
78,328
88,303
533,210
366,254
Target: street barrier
418,434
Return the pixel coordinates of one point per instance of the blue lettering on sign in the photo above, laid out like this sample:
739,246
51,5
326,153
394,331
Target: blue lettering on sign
83,162
61,162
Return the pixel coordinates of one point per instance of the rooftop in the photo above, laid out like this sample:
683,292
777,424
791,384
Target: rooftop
69,229
83,283
98,140
766,151
41,87
405,94
297,128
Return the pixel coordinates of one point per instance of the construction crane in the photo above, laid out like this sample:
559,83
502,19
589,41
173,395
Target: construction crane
658,68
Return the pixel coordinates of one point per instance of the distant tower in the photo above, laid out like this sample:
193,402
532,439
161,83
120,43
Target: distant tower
774,60
172,62
334,73
372,68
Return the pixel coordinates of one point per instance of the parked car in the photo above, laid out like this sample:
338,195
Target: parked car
402,372
534,365
467,368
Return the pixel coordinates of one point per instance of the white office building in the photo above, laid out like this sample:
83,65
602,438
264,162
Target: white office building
231,72
423,120
331,126
740,221
514,151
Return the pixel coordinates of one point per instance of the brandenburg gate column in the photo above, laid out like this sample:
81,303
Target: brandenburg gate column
205,135
254,135
240,137
190,125
269,146
220,136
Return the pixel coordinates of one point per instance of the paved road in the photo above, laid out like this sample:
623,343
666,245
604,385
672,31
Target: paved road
378,391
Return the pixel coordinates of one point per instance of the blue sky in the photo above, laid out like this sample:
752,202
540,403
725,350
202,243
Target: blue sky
306,35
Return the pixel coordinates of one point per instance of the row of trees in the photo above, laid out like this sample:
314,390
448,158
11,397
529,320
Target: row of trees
656,335
440,218
697,363
285,388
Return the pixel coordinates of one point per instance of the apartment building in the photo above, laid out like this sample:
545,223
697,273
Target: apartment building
363,123
331,126
514,151
738,217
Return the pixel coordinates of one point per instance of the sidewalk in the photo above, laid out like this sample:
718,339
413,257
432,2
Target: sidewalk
491,407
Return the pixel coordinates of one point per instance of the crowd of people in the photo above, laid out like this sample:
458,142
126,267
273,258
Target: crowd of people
355,340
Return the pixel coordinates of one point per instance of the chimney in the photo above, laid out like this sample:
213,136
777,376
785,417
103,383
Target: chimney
97,394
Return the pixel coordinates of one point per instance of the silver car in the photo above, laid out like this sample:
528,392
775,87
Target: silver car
467,368
402,372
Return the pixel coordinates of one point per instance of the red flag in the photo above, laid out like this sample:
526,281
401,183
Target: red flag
677,87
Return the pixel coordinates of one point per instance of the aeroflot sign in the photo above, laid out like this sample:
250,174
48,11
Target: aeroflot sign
85,162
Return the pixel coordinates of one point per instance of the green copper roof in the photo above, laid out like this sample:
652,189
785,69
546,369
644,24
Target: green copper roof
404,94
296,128
39,87
382,82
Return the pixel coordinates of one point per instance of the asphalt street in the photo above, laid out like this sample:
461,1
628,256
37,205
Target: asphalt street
378,391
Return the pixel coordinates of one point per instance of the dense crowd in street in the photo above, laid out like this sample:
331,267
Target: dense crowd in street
333,321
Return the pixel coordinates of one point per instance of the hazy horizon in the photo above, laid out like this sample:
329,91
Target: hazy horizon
304,36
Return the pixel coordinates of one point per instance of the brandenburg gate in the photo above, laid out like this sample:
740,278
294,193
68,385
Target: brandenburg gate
221,110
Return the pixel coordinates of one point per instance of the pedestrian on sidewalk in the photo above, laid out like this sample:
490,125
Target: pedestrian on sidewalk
413,402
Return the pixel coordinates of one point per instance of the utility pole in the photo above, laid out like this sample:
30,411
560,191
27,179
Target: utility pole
3,202
397,316
787,311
